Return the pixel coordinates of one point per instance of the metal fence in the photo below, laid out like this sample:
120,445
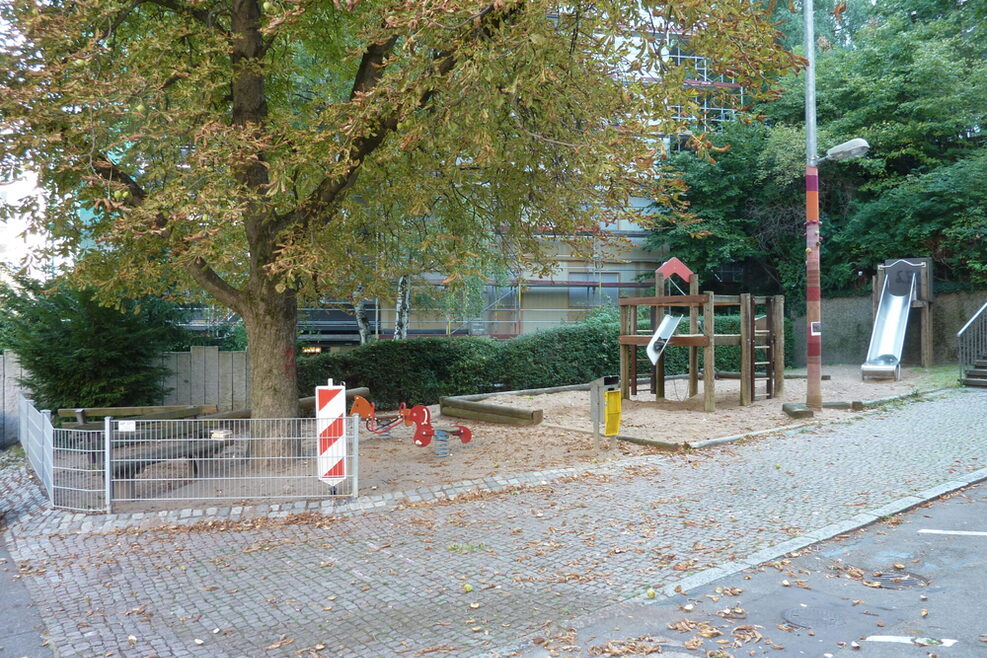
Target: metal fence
144,465
971,340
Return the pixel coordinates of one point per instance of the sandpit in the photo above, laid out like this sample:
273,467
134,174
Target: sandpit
394,464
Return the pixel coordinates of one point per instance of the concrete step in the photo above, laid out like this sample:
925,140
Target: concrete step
976,372
973,381
980,363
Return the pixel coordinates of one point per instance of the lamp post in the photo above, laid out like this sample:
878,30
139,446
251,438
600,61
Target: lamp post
813,291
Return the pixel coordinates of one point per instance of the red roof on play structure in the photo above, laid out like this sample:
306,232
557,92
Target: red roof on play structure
674,266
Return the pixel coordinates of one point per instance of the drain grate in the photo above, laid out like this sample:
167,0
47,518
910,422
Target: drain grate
898,579
812,617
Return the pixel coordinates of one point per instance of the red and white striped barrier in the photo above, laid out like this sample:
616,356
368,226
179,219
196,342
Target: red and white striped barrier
330,424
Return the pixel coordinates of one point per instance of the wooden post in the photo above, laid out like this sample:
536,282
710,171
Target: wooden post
709,356
658,373
925,280
625,353
654,324
693,329
927,356
633,351
777,339
635,355
746,351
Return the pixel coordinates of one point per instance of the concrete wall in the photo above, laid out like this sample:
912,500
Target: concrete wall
10,373
203,375
847,324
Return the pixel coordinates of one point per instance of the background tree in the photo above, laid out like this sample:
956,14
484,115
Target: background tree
249,149
82,354
908,76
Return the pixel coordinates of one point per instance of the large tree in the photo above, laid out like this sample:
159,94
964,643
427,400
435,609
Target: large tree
268,151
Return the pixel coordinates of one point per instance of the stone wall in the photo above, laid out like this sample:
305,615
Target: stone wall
847,324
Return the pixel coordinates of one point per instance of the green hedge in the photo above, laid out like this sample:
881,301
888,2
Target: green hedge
556,357
414,371
422,370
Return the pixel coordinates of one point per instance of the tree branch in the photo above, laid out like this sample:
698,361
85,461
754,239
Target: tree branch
486,21
372,66
215,285
111,172
206,18
204,275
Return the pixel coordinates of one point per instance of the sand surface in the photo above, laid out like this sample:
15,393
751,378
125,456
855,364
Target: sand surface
394,464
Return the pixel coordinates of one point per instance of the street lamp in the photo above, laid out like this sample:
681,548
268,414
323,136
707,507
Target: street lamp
813,291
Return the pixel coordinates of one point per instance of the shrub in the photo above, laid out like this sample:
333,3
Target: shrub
81,354
414,371
573,354
422,370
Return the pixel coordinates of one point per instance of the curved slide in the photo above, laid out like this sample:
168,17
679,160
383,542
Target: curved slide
887,339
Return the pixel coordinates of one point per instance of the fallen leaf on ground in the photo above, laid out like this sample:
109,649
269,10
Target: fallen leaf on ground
282,641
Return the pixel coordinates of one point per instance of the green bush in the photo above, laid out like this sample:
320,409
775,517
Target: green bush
80,354
573,354
413,371
424,369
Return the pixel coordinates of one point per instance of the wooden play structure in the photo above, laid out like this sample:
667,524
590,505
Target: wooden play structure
761,339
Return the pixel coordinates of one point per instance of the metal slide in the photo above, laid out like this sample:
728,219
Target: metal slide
662,335
887,340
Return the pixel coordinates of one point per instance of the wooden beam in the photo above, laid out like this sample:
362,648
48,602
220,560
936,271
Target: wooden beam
698,340
746,351
693,350
119,412
672,300
658,314
709,356
926,329
493,413
304,405
625,370
485,407
778,344
191,411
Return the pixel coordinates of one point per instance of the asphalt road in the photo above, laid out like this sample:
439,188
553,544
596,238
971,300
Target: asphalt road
930,563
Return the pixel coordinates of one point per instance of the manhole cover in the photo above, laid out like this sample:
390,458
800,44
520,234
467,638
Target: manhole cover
812,617
898,580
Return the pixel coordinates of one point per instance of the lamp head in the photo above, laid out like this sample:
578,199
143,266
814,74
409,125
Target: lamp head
852,149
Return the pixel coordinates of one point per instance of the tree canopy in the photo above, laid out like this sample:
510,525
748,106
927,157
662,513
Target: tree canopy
267,151
909,78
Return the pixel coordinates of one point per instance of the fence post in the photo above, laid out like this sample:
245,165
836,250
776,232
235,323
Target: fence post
22,403
44,455
107,461
355,420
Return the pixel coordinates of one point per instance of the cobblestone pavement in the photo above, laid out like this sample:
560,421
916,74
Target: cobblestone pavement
426,574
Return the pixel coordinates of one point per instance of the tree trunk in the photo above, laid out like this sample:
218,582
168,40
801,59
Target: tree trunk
271,334
360,313
362,321
401,309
